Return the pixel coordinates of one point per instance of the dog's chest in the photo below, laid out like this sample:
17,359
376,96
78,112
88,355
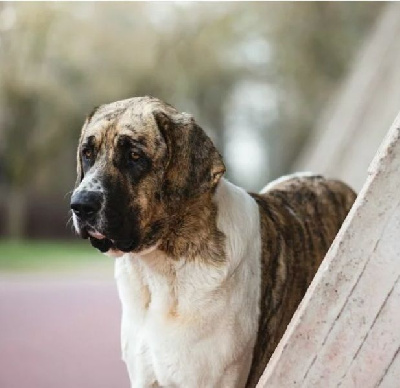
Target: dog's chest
170,339
166,338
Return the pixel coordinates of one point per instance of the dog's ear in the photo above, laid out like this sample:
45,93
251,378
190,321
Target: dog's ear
194,164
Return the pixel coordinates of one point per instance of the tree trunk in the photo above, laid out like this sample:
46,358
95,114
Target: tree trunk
16,211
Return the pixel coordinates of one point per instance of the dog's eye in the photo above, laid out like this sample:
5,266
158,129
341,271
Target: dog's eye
87,153
134,156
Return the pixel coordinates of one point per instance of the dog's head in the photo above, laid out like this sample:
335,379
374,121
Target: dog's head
139,161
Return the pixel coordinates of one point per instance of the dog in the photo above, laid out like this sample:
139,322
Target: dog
208,275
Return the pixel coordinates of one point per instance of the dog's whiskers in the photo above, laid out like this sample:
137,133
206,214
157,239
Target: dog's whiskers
68,193
70,223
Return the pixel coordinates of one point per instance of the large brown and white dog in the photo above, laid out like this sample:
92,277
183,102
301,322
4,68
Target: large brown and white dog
209,276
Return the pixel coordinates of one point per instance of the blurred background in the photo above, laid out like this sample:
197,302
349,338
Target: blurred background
279,87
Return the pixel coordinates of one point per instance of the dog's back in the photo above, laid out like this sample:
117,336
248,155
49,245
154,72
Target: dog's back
300,216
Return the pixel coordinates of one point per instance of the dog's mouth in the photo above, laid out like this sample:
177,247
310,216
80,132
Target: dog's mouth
104,243
97,235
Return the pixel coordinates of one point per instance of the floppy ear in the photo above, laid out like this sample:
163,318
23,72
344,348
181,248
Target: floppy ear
194,164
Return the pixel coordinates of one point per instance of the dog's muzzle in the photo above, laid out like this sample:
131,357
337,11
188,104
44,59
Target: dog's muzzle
86,206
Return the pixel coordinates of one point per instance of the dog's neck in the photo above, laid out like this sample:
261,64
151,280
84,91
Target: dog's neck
207,256
197,233
192,230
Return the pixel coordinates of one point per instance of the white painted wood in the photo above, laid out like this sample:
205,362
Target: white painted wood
392,375
379,347
346,331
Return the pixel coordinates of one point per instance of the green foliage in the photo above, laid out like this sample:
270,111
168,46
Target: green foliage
31,255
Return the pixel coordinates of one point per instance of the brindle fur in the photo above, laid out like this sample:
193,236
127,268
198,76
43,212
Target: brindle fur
299,219
170,203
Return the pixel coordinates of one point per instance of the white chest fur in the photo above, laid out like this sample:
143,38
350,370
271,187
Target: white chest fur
192,324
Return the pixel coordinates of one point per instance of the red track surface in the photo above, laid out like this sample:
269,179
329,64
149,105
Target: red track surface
62,334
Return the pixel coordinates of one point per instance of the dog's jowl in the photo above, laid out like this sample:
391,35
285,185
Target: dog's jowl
209,275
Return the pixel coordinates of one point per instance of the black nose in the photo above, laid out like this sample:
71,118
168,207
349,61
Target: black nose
85,204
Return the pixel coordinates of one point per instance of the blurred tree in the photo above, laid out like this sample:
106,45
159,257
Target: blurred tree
313,44
59,60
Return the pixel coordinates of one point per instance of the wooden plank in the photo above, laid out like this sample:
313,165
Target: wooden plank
391,377
362,307
350,290
377,352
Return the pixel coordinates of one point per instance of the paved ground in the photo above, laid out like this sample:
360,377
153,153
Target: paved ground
60,332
